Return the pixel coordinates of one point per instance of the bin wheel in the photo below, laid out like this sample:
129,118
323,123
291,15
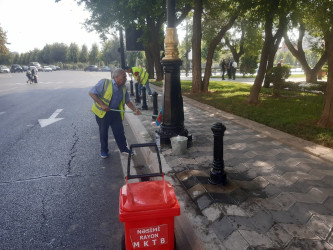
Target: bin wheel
123,246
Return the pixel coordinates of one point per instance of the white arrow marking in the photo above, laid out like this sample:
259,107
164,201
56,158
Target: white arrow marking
45,122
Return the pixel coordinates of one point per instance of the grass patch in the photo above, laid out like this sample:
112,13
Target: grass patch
157,83
293,112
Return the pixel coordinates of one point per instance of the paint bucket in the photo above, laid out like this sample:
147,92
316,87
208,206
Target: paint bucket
179,145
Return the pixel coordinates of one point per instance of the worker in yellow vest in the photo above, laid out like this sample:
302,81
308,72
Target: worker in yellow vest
110,97
141,76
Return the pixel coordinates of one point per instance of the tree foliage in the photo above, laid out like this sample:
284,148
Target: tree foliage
84,56
93,55
73,53
3,41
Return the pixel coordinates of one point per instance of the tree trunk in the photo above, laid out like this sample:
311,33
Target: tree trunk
276,42
271,55
154,47
310,75
255,90
157,61
150,62
212,46
196,47
326,119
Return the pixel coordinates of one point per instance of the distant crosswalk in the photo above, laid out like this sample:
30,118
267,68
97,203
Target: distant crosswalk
53,82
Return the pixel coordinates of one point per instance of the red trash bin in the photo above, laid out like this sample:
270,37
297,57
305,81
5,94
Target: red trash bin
148,209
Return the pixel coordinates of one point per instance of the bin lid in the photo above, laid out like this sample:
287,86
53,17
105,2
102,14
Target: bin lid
148,195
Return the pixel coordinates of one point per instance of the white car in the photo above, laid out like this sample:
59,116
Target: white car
4,69
47,69
33,67
54,68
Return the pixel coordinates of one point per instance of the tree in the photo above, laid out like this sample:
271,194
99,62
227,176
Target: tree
84,56
45,54
297,50
235,45
109,53
197,84
322,18
289,59
214,42
219,17
35,55
94,53
73,53
3,41
59,52
150,15
185,46
326,118
248,64
270,11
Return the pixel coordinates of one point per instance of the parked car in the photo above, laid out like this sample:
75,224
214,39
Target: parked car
33,67
91,68
47,69
16,68
37,65
4,69
40,68
106,69
58,68
54,68
25,68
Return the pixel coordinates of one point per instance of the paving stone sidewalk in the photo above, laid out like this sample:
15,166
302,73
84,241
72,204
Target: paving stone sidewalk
277,196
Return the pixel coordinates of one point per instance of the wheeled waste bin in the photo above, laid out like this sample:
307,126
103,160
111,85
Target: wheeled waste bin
148,209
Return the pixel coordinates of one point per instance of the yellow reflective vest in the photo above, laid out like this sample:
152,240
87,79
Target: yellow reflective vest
106,96
142,73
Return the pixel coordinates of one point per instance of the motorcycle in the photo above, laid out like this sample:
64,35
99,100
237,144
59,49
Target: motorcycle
34,78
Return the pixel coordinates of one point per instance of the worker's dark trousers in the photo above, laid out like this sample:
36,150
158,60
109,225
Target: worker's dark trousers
111,119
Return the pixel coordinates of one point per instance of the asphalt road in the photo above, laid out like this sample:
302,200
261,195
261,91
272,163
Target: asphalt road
55,190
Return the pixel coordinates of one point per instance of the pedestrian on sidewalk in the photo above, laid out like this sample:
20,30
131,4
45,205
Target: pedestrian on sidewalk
233,69
112,94
229,65
223,68
141,76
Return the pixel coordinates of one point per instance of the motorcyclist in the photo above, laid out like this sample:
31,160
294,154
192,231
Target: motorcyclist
34,75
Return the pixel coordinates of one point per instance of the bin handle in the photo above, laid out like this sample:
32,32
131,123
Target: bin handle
152,144
146,175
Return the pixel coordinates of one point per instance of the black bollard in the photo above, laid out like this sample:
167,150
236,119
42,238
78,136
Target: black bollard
217,174
144,99
131,87
155,105
137,97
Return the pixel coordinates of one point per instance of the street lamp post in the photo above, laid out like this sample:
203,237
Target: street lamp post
173,110
121,49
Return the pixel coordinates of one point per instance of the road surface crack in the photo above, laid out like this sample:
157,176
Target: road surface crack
73,151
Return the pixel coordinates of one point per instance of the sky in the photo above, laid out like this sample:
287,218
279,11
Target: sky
32,24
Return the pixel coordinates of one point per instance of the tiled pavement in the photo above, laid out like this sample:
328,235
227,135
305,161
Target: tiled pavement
277,196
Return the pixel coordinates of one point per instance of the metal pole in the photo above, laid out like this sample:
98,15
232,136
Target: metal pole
155,105
144,99
173,110
137,97
121,49
217,173
131,87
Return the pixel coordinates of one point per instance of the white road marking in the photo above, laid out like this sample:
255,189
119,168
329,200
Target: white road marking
52,119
